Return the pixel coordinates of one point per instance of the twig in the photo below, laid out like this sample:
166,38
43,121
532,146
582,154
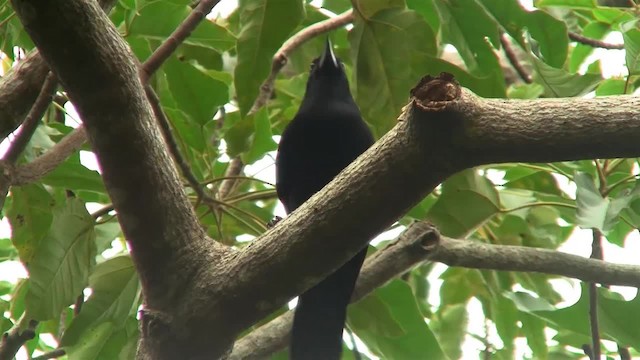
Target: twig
163,122
596,254
162,53
421,242
593,42
231,176
51,354
51,159
102,211
32,119
281,56
13,339
513,60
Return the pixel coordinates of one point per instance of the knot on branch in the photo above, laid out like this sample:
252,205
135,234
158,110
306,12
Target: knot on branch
429,238
433,93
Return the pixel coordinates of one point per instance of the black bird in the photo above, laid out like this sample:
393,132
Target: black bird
325,136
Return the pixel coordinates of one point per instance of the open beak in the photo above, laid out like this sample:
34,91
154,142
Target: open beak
328,58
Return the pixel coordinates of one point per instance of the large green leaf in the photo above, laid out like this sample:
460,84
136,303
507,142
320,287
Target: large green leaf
617,318
466,202
472,31
61,264
115,296
72,175
549,33
265,25
196,93
156,20
395,328
384,49
559,83
250,136
596,212
30,218
632,47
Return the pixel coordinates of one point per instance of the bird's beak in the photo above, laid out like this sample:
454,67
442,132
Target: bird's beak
328,58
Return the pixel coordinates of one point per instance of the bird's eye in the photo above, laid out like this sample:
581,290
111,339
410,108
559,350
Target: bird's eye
312,66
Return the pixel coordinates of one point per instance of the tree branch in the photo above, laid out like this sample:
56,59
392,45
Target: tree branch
48,161
422,242
21,86
32,119
593,42
13,340
168,245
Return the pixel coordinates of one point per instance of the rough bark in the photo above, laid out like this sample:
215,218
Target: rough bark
21,86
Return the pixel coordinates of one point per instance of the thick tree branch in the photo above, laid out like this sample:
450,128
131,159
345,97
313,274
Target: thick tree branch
421,242
168,245
21,86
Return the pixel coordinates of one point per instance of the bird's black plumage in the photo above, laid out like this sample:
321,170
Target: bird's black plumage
325,136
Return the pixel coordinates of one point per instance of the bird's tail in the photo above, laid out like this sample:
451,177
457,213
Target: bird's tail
321,312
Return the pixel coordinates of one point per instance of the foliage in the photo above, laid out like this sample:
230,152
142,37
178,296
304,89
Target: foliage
391,44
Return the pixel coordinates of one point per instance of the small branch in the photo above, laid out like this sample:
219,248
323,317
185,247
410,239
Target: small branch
13,339
281,57
596,254
48,161
231,175
162,53
593,42
513,60
32,119
102,211
51,355
163,123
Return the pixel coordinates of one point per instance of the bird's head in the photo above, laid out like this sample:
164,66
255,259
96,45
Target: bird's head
327,77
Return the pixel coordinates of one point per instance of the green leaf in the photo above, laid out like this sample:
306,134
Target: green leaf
617,318
262,141
115,298
593,30
72,175
594,211
549,33
30,218
196,93
560,83
451,328
466,202
576,4
265,24
416,340
525,91
385,50
468,28
610,87
250,136
632,48
368,8
156,20
61,265
533,329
